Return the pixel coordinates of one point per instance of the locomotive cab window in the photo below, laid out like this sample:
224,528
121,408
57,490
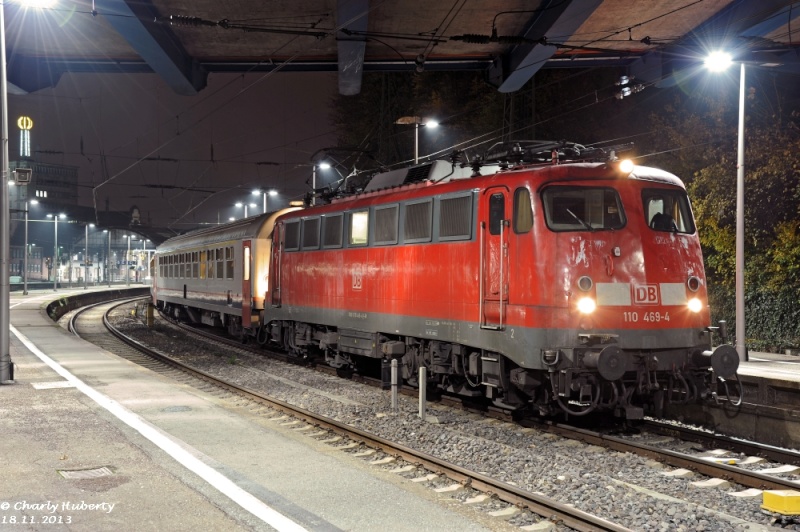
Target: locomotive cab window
582,209
359,228
668,210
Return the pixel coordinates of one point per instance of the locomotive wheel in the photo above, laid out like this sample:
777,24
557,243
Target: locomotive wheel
262,336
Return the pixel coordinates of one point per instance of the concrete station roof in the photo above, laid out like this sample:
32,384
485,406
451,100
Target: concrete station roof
186,40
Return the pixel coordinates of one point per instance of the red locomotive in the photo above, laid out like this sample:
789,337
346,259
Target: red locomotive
576,286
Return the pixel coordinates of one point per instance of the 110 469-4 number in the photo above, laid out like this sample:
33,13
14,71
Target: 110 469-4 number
648,317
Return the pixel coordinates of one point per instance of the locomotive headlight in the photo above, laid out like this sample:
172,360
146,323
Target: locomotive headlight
626,166
586,305
695,305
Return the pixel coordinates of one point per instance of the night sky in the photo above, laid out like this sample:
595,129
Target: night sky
106,123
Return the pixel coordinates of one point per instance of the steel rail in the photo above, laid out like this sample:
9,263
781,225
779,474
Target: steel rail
538,504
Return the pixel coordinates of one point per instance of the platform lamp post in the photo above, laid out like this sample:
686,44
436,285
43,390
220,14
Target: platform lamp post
6,367
86,256
127,265
27,253
322,166
718,62
56,258
108,258
417,121
265,193
245,205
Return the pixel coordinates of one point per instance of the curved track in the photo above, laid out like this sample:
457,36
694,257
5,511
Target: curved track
85,323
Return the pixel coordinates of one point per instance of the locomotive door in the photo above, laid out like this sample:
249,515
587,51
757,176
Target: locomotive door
494,228
275,266
247,295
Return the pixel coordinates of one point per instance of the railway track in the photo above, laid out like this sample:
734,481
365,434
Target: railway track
83,324
717,465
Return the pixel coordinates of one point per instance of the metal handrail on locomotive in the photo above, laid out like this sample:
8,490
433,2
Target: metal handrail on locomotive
541,278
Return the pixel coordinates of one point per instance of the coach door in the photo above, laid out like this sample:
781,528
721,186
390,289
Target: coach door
275,266
247,292
494,257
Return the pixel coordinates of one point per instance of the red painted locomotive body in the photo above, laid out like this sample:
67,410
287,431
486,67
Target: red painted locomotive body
572,285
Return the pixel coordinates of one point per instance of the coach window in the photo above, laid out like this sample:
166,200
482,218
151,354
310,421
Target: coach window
229,262
195,265
332,231
291,239
523,215
203,259
220,267
417,223
455,218
386,225
359,228
210,264
311,233
180,265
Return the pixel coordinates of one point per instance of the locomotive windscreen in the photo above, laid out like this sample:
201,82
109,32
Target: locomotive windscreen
583,208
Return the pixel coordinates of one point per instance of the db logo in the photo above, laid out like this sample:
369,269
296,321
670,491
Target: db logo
645,294
358,278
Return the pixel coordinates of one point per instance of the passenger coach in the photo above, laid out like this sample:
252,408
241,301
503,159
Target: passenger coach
217,276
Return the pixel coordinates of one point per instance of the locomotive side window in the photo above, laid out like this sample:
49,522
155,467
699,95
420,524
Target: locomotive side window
523,214
455,218
291,237
386,225
332,231
359,228
311,233
229,262
582,209
667,210
497,211
417,224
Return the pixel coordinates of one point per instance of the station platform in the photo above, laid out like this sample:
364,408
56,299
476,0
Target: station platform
92,442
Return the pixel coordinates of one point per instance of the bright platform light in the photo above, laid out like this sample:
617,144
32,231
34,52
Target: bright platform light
40,4
718,61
